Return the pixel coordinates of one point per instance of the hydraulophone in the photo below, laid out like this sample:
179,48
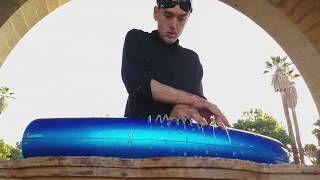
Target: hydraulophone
145,138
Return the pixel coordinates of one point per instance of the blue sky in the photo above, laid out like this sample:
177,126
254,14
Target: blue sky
68,65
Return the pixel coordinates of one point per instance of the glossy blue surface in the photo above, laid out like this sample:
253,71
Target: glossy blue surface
142,138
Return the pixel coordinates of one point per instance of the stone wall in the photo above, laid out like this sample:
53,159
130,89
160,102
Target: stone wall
58,168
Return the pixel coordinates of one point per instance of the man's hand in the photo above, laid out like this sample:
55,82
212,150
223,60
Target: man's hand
199,107
208,109
182,111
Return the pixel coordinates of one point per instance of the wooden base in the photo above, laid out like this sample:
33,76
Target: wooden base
89,168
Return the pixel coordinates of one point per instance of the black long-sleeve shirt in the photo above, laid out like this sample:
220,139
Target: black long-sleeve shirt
146,57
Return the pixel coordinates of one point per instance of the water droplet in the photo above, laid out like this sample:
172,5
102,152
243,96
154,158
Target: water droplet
130,135
168,123
228,135
185,154
214,134
158,118
207,152
149,119
184,125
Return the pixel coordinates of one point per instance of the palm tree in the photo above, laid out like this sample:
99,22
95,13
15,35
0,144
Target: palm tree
311,152
281,83
316,131
291,98
5,94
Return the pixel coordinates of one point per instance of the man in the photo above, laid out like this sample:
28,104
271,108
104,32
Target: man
161,77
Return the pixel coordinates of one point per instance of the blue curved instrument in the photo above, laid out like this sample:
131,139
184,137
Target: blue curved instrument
143,138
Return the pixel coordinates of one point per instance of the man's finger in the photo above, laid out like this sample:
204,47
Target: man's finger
208,120
182,116
198,118
226,122
221,124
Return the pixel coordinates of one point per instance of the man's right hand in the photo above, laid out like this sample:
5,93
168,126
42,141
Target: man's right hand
208,109
182,111
199,107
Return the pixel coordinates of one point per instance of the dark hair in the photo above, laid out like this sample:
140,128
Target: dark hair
185,5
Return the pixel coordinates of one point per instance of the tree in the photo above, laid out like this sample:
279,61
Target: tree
311,150
257,121
10,153
291,98
316,130
5,95
4,150
16,152
313,153
282,81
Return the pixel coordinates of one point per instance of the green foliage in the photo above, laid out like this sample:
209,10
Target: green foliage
278,62
257,121
16,153
313,153
316,130
4,150
5,92
10,153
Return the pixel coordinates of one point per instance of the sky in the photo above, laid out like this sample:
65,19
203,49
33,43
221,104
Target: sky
68,64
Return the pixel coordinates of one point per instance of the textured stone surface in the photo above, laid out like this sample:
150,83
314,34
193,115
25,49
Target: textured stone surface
8,7
156,168
17,17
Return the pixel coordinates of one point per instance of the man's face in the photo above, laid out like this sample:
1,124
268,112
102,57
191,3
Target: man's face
171,22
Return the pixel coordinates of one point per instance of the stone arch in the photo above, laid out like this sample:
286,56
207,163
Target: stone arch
294,24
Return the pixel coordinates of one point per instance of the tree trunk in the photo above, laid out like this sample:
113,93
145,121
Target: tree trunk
298,138
3,104
290,130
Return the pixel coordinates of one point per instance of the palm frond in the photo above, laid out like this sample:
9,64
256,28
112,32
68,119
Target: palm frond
296,76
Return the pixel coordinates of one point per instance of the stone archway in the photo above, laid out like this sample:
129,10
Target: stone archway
294,24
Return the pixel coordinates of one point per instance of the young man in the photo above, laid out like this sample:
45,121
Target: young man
161,77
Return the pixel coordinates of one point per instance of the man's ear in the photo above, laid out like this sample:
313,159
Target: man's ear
156,13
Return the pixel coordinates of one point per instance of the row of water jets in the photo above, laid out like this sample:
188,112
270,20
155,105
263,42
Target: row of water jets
165,118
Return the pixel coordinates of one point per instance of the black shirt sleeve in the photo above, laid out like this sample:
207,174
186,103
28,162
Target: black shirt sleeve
135,70
199,91
198,80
